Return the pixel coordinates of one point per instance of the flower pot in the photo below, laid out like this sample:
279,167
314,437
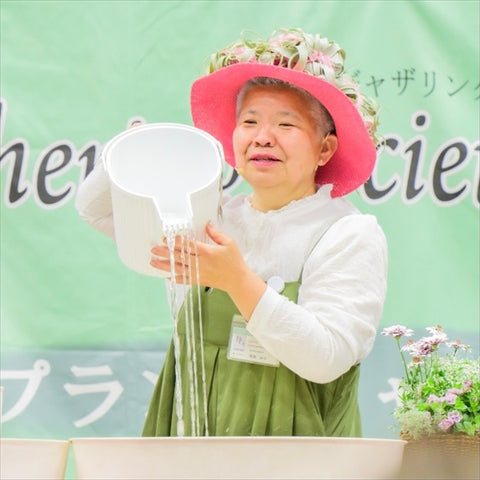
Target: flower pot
222,458
23,459
441,456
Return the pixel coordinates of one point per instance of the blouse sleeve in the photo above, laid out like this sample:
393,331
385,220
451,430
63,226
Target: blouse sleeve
333,325
94,201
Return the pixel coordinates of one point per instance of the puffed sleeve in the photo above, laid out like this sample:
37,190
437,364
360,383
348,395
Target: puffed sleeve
94,201
333,325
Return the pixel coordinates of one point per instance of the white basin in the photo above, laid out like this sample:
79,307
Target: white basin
237,458
33,459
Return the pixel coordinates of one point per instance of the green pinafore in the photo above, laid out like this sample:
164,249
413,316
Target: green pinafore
245,399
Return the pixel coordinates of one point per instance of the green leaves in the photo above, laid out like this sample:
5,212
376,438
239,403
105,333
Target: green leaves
437,394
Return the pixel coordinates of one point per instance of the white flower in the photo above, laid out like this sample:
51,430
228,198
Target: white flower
397,331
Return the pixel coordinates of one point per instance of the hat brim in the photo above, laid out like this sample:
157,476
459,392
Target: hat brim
213,105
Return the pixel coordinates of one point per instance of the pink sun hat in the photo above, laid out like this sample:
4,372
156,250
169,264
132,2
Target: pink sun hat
213,99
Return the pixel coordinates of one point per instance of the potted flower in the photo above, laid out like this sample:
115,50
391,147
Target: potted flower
439,404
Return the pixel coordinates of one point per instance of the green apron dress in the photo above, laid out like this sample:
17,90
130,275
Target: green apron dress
245,399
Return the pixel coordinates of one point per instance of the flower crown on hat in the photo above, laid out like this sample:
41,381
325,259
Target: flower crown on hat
298,50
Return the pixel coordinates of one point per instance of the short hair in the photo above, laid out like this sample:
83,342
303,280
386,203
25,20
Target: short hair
318,112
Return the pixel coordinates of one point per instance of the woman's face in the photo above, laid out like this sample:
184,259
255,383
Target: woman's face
277,145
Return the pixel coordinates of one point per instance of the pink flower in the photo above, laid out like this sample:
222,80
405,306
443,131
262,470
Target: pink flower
455,391
438,339
467,385
320,57
450,398
435,340
407,346
418,349
445,424
432,398
284,38
454,416
435,330
242,53
457,344
397,331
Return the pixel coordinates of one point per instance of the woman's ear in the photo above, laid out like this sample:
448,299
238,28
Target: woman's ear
327,149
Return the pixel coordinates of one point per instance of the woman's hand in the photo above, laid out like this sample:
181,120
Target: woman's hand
220,265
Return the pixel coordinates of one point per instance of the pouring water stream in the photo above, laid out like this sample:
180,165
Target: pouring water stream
180,228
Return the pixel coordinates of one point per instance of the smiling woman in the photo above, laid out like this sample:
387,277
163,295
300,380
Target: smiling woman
293,276
279,144
300,133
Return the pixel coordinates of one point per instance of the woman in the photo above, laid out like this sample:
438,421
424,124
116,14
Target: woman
301,266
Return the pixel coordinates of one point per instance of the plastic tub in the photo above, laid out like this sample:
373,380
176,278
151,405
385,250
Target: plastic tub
33,459
161,173
237,458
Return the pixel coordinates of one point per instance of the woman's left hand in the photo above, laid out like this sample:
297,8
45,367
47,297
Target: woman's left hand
219,265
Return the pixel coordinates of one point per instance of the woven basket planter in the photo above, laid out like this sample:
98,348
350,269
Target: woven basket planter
441,456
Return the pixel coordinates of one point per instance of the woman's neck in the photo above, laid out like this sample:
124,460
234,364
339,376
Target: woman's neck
265,201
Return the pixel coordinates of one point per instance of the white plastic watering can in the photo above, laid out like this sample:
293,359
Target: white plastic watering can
161,173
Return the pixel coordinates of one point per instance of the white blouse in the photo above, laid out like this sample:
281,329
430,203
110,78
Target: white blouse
339,254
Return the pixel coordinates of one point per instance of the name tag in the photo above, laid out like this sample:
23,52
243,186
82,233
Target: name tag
244,347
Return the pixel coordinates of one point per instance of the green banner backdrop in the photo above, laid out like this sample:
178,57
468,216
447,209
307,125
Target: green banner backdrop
83,337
